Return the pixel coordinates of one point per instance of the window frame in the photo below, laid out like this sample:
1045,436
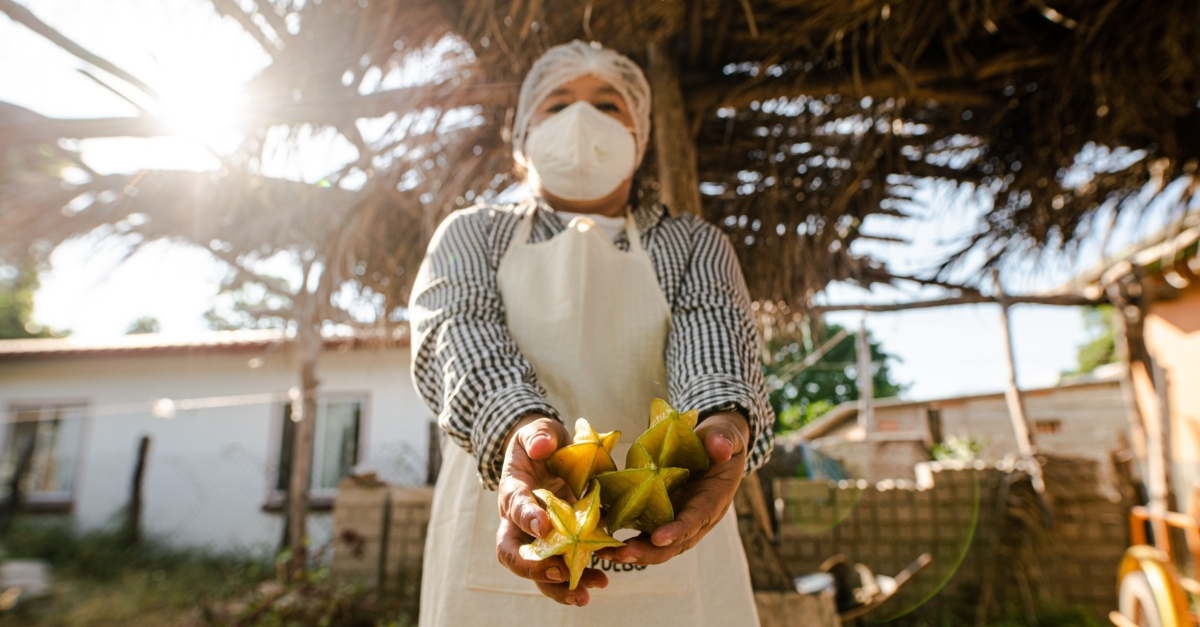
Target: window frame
320,500
42,502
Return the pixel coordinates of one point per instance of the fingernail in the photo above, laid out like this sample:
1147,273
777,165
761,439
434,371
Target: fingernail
572,600
554,574
536,525
662,541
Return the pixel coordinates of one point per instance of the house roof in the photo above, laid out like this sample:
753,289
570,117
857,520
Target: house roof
848,411
161,343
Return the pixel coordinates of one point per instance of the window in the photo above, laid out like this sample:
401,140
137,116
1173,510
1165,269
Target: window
51,435
1047,426
335,445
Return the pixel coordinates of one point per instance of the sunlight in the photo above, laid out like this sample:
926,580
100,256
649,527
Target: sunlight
206,105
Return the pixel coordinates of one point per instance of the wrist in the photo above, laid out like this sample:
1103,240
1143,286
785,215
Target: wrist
521,422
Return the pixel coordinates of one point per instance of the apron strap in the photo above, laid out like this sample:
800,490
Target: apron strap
632,234
524,228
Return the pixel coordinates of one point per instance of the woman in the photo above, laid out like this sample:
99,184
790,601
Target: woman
574,305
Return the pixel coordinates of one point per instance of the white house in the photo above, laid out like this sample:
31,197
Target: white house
216,410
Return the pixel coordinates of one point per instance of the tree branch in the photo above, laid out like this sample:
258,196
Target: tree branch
26,18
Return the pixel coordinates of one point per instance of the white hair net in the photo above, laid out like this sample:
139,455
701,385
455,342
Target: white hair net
567,62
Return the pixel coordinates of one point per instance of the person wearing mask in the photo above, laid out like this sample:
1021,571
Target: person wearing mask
582,302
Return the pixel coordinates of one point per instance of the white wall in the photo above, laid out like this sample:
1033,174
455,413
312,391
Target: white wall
209,470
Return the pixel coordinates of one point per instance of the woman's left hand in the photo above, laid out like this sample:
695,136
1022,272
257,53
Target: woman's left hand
705,500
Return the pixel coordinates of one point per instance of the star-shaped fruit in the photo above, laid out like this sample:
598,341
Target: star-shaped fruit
638,497
587,457
575,535
671,441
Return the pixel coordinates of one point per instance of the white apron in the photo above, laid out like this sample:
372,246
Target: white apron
593,321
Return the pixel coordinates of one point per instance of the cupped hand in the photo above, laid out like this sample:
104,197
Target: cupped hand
704,501
530,443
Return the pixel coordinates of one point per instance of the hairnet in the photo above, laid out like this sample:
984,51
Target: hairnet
567,62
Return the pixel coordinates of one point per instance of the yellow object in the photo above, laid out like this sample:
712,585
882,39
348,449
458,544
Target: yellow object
1170,600
671,440
575,535
639,496
588,456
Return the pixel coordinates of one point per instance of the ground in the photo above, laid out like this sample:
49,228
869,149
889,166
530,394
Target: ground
99,581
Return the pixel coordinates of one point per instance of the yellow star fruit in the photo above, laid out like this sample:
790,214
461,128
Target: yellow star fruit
671,440
639,496
575,535
588,456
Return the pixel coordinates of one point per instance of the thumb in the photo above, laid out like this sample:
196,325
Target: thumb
540,438
722,438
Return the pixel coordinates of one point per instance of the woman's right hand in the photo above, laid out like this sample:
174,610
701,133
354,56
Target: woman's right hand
529,444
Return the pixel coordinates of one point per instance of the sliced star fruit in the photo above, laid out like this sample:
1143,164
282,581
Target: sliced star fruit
638,497
588,456
576,534
671,440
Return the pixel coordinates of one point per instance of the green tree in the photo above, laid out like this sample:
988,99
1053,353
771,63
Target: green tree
1102,347
800,395
17,286
145,324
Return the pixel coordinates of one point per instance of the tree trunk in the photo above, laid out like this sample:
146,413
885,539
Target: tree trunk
309,339
673,144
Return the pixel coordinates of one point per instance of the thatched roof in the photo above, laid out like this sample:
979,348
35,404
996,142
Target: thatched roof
808,117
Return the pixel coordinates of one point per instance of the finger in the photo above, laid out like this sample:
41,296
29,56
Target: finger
591,578
641,552
705,505
517,503
541,438
722,439
508,551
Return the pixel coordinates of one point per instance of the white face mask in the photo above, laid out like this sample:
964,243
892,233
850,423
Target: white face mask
581,153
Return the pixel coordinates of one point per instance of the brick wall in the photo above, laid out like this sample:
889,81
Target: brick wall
982,526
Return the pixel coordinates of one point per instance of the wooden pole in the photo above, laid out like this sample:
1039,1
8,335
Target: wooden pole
1132,301
866,382
673,143
133,517
1012,394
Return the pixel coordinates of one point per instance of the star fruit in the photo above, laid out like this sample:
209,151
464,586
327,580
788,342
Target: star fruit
671,441
638,497
588,456
575,535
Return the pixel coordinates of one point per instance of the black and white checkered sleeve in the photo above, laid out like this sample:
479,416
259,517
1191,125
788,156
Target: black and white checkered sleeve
466,366
713,350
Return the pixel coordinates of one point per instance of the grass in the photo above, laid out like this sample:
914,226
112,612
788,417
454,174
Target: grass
101,582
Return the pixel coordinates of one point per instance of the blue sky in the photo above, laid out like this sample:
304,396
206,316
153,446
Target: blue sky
198,60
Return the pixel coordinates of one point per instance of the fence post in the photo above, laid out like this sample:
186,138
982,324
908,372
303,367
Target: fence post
132,532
